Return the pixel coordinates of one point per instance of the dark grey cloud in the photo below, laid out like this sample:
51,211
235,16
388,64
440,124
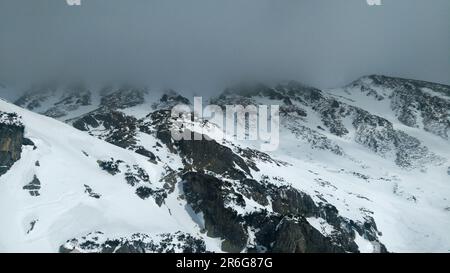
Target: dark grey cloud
201,44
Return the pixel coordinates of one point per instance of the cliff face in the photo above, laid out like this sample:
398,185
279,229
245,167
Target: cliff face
11,140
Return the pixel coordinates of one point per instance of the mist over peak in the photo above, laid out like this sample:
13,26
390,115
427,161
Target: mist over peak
206,45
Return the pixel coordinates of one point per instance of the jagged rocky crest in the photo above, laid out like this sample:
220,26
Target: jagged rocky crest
415,103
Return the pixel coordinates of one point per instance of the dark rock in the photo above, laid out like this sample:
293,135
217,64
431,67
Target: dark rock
289,201
120,129
123,98
205,194
197,153
413,101
72,99
33,187
171,96
298,236
32,225
28,142
252,189
11,141
136,174
91,193
142,151
36,95
159,195
137,243
283,234
223,162
111,166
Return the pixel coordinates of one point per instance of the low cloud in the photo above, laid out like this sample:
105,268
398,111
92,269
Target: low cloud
203,44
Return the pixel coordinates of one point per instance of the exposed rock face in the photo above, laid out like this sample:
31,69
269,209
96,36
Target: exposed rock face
283,230
34,98
70,101
136,177
206,194
111,166
169,100
371,131
33,187
11,140
96,242
198,153
55,101
118,129
297,236
114,127
379,135
287,234
415,103
123,98
220,200
91,193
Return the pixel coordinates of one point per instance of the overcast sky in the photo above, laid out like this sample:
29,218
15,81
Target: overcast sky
201,44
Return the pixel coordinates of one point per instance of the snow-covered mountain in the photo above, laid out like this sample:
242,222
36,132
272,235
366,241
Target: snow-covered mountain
361,168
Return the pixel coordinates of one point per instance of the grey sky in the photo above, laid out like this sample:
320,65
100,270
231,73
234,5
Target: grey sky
202,44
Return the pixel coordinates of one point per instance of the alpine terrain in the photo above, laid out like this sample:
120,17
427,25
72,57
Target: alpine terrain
363,168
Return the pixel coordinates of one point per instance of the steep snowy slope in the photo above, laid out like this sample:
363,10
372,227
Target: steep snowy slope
351,150
73,196
75,186
352,173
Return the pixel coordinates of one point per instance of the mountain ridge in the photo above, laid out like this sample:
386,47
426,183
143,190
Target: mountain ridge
343,169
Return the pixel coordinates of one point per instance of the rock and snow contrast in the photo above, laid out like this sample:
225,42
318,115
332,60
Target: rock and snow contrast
364,168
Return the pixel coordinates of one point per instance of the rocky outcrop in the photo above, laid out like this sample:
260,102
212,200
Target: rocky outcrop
208,195
125,97
217,187
11,140
224,162
196,154
298,236
70,101
170,99
114,127
372,131
97,242
415,103
280,227
33,187
136,177
88,190
55,100
379,135
36,96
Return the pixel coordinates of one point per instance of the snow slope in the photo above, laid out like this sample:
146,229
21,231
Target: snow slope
389,181
68,161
